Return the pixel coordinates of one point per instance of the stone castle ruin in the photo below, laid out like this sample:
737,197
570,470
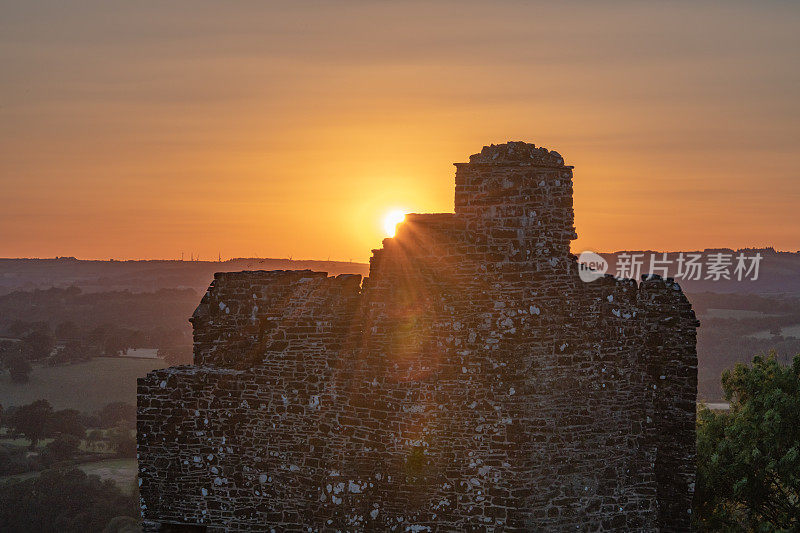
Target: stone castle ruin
472,382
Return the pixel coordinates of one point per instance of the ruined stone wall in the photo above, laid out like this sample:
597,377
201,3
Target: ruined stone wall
237,440
249,318
473,382
669,344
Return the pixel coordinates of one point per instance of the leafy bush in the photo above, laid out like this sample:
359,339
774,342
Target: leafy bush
117,414
62,448
15,460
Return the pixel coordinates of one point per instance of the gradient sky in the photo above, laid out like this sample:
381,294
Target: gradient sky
144,129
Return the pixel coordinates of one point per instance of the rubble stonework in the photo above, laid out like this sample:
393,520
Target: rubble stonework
472,382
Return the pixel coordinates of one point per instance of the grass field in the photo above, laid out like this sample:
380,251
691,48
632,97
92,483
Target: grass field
83,386
786,331
120,471
23,442
735,313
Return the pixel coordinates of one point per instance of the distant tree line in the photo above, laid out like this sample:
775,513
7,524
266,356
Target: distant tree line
62,326
38,343
143,311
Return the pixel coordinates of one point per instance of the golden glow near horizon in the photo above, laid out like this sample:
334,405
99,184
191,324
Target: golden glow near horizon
391,220
137,130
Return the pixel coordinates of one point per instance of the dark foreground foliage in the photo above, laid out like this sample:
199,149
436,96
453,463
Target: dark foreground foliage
63,501
748,476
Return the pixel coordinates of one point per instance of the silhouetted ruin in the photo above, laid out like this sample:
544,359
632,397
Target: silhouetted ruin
472,382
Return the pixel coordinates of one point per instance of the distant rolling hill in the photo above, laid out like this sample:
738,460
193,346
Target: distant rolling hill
144,276
779,272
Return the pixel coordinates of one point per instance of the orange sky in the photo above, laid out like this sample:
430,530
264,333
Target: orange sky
144,129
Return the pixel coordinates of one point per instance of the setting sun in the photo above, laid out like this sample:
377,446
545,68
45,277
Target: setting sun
391,220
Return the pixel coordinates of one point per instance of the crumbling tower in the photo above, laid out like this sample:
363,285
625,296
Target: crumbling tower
519,199
473,381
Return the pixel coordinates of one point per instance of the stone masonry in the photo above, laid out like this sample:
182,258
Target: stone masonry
472,383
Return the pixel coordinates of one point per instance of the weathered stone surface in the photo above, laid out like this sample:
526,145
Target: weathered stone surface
472,382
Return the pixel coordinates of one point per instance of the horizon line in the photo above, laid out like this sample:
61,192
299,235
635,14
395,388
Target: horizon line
291,259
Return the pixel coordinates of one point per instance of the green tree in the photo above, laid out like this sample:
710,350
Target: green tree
18,368
748,475
38,344
63,447
66,421
67,331
31,420
123,441
94,439
9,348
117,414
71,352
115,344
135,339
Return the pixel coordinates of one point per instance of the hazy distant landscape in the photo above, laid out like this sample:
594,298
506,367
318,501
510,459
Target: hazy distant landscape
130,306
144,276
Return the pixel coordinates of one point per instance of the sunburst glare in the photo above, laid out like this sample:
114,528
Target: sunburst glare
391,220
